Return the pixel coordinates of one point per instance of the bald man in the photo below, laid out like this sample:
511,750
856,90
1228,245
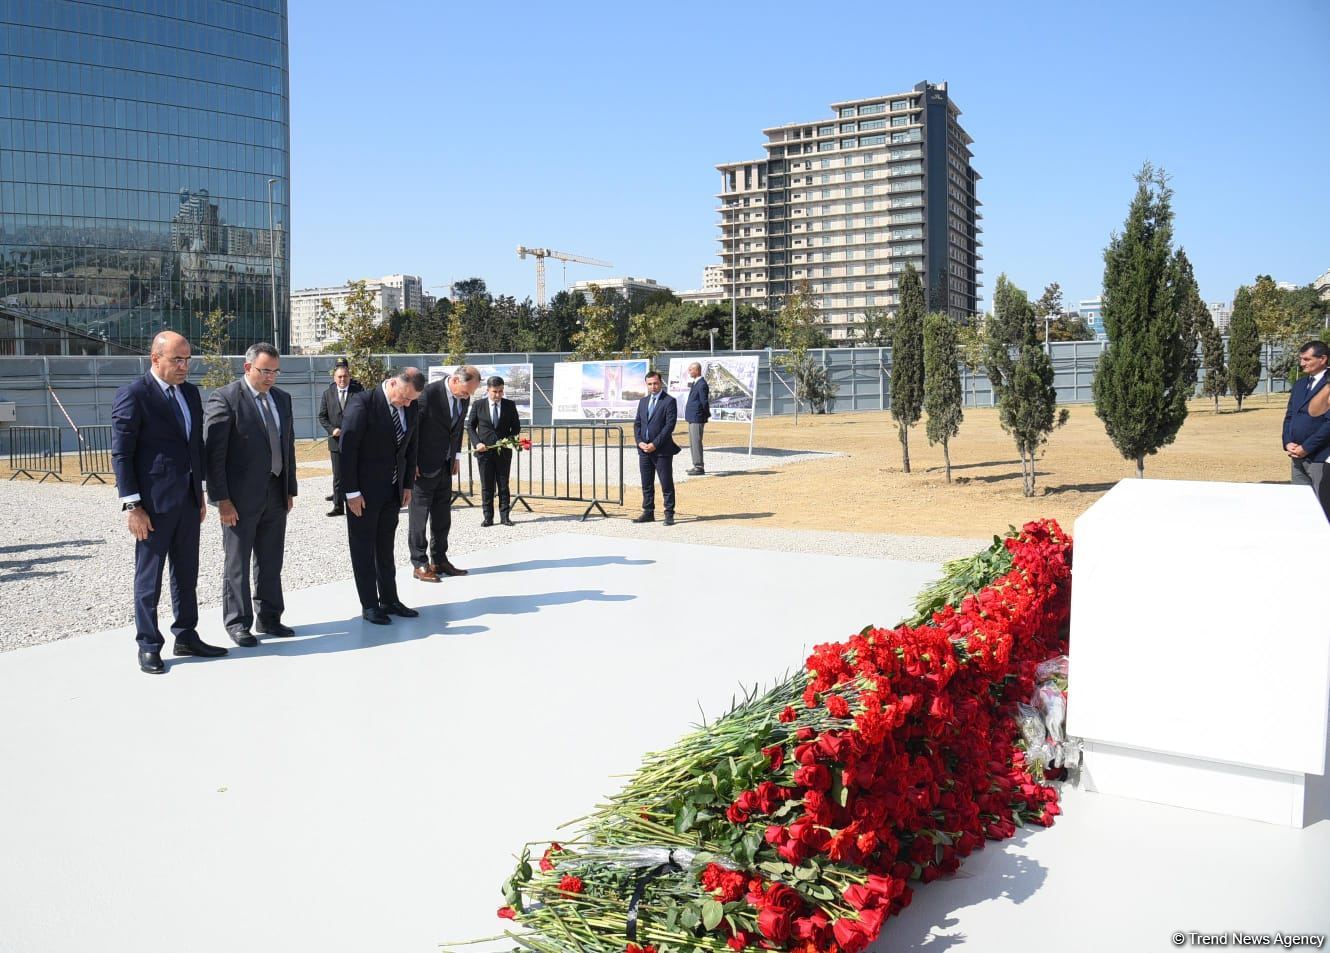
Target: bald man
157,455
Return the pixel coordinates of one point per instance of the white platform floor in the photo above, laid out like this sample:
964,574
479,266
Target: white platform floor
363,789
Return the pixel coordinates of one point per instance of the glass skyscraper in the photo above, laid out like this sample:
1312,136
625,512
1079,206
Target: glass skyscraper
144,171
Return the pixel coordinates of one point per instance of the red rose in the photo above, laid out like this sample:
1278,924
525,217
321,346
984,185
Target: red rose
776,755
850,935
508,913
774,924
737,942
781,897
571,884
816,777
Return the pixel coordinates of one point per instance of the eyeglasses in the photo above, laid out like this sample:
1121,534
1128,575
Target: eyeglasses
267,371
177,361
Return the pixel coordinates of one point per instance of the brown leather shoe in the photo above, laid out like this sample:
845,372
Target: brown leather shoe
448,569
425,574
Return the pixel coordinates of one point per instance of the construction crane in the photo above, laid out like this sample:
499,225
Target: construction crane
540,254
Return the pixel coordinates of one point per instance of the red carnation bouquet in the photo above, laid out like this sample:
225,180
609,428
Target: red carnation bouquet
515,444
805,817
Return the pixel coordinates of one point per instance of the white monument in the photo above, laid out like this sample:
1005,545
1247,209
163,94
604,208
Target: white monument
1200,645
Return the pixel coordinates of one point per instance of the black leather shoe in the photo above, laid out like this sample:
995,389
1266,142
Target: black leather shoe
669,519
336,511
376,616
396,608
150,661
196,646
275,629
645,518
507,522
487,522
697,471
243,638
329,497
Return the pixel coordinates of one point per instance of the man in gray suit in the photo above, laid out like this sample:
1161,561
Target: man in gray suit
250,453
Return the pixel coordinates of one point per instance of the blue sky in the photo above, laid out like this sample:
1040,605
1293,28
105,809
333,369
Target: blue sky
433,138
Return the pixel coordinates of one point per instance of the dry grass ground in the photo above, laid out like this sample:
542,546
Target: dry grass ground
865,489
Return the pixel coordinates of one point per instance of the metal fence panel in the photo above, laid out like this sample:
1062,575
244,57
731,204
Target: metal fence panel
34,450
95,452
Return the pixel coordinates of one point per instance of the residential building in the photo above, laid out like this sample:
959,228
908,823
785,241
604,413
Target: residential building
845,203
1322,284
713,278
1221,313
704,296
311,321
411,288
144,146
632,289
1091,311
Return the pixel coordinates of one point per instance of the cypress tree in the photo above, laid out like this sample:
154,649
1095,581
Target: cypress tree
1212,355
1244,347
1141,386
1193,315
907,360
1028,407
942,383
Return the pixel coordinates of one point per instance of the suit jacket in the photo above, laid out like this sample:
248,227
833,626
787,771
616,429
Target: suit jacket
698,408
1301,427
330,411
440,433
481,426
373,465
236,448
149,451
659,428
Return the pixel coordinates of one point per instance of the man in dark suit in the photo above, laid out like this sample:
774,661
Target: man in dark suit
1307,435
157,455
697,411
443,408
653,429
331,409
492,420
378,469
250,446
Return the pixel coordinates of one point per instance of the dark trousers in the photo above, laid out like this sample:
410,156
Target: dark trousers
371,536
652,466
494,469
339,498
258,537
431,504
174,537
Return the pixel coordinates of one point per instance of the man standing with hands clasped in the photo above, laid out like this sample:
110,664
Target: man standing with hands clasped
1306,426
250,444
697,412
378,470
653,429
492,420
331,409
157,454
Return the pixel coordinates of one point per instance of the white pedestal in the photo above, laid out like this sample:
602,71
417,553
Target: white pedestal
1200,645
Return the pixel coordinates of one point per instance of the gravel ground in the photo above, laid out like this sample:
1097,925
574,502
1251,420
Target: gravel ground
66,559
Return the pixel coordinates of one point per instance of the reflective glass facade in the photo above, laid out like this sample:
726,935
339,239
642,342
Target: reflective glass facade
137,141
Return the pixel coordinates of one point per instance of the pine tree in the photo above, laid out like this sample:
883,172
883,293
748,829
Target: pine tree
1010,326
457,334
942,384
1193,315
1028,406
359,332
907,360
1141,386
1212,355
1244,347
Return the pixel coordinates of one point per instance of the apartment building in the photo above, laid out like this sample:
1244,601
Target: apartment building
311,322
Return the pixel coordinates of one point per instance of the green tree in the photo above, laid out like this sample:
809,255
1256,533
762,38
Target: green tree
457,334
421,332
359,333
1193,315
1285,323
1244,348
1006,331
942,384
798,332
1049,307
215,342
972,344
875,329
1215,383
1141,386
654,329
1027,408
1069,326
907,360
598,339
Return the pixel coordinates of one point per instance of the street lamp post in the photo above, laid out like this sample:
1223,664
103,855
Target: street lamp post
734,282
1047,348
272,259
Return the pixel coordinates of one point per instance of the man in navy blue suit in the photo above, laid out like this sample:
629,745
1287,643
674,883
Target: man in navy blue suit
1307,435
157,455
653,429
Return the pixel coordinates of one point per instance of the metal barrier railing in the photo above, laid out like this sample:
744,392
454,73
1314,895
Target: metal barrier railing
469,476
574,464
95,452
34,450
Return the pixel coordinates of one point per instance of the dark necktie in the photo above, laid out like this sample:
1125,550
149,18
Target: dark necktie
175,405
398,427
494,414
341,398
270,426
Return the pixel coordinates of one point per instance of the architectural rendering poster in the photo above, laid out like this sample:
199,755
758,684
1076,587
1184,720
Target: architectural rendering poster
733,383
598,390
517,383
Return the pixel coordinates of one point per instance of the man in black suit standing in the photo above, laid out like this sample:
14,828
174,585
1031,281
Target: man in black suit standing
653,429
443,408
378,469
331,409
1306,433
157,455
697,411
492,420
250,446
